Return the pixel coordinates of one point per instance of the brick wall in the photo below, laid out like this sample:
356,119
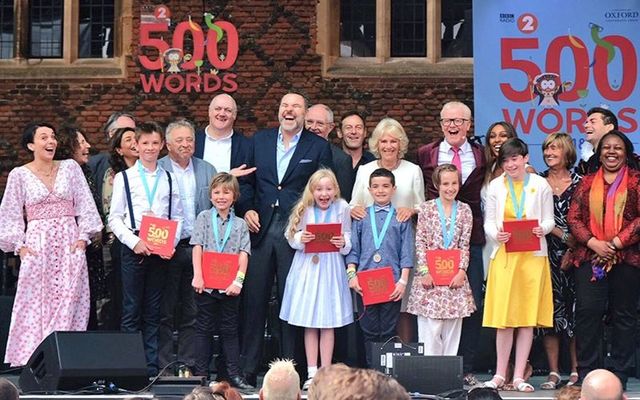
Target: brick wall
277,54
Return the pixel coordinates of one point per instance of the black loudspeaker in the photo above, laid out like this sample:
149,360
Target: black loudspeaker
69,361
6,304
428,374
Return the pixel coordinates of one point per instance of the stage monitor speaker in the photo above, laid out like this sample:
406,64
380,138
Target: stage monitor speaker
70,361
428,374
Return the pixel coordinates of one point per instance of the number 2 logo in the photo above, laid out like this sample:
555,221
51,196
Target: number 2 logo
527,23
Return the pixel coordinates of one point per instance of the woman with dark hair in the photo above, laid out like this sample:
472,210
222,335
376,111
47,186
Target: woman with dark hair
559,154
498,133
604,218
53,288
123,153
72,144
519,295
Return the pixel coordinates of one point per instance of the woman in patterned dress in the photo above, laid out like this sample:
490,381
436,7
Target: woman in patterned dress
560,155
53,287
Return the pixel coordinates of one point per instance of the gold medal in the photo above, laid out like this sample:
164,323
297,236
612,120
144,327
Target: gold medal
377,257
315,259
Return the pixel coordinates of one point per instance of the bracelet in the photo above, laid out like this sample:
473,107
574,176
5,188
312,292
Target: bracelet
237,283
565,236
240,277
423,271
351,273
402,282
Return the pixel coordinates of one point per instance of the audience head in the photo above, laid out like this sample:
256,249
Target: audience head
72,144
224,389
389,139
281,382
118,120
204,393
319,120
223,111
617,144
558,150
339,382
483,393
352,130
599,121
601,384
568,393
455,121
123,149
293,107
8,390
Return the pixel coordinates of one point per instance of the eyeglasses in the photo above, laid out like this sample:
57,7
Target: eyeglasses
454,121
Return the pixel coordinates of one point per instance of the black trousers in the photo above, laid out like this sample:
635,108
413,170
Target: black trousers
221,311
270,258
617,295
178,308
378,324
472,324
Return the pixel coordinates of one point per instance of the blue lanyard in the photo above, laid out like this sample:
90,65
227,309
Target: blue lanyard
150,194
316,214
447,237
518,206
220,243
378,237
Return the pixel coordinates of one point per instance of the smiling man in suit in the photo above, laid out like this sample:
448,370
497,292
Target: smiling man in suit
285,158
193,176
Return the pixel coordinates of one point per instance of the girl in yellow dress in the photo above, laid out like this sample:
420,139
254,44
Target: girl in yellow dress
519,293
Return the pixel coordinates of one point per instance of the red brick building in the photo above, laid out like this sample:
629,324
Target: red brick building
79,61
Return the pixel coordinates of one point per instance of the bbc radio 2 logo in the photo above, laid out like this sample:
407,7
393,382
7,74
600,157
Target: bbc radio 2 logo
507,17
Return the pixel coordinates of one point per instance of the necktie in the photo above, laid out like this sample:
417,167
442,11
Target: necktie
456,158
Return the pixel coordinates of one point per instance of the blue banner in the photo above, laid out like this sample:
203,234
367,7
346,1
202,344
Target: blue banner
542,64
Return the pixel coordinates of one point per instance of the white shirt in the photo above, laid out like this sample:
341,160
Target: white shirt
467,160
586,151
217,152
119,220
186,179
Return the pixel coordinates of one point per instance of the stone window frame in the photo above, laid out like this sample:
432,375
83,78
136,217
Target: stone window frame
70,65
333,65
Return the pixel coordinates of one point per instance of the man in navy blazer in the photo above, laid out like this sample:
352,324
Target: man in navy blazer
193,176
285,158
225,148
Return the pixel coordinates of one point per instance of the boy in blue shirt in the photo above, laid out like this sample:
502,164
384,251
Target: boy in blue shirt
391,245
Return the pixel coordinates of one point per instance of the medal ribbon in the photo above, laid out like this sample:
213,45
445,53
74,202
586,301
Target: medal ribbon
447,236
316,214
220,243
151,194
378,237
518,206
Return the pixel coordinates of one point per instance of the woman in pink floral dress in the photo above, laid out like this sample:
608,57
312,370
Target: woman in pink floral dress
443,223
61,217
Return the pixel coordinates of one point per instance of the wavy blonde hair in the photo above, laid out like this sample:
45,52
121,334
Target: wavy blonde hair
391,127
306,200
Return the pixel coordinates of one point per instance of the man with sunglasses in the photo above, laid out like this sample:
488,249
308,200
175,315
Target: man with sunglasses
455,148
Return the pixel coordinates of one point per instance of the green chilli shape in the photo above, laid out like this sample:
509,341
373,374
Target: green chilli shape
595,36
208,19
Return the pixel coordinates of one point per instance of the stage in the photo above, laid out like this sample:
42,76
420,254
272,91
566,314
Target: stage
172,392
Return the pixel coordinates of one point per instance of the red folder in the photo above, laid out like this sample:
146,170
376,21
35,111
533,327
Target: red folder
159,234
443,265
219,269
324,233
377,285
522,238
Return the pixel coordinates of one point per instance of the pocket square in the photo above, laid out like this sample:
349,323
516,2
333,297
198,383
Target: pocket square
304,161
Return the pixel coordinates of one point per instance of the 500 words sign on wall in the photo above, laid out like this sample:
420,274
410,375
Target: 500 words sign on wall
541,65
196,59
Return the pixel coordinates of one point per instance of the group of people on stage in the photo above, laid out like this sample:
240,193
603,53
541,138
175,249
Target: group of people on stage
74,220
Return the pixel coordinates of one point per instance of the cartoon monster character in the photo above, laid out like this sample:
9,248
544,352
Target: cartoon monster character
173,56
548,87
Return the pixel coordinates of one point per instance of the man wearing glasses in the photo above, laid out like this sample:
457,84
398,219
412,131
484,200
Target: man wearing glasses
454,148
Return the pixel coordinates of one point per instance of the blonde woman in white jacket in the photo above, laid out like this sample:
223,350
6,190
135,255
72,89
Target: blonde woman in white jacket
519,291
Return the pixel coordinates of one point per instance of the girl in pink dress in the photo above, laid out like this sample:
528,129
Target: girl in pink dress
61,217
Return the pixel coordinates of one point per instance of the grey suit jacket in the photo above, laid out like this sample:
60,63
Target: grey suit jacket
204,173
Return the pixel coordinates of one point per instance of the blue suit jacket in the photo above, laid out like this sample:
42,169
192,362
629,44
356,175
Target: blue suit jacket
241,147
312,152
203,172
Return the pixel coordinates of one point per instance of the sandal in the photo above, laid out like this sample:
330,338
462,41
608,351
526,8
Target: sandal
551,384
522,386
493,385
573,378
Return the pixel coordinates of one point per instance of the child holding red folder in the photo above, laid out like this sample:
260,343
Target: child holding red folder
378,241
219,230
316,294
443,223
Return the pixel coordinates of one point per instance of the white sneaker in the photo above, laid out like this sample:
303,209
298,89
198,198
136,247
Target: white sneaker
306,385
